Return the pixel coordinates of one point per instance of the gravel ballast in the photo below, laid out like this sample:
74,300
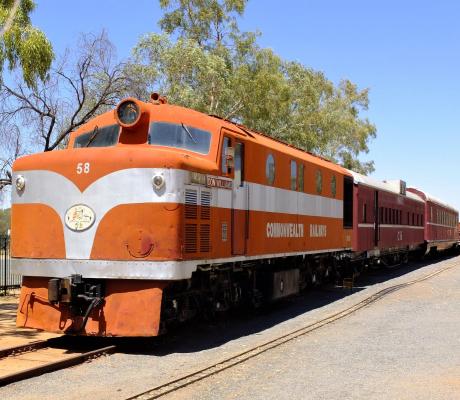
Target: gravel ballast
405,346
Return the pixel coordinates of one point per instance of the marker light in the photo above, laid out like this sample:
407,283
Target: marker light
20,183
158,181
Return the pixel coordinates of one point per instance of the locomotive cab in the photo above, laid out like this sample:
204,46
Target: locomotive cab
105,217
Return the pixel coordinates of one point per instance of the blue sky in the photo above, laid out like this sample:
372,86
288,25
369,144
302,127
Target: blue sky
406,52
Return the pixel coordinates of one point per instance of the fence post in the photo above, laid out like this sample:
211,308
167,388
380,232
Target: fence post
4,258
7,280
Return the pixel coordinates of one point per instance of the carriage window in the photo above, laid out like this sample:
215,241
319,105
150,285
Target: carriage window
270,169
364,212
301,174
105,136
293,175
179,136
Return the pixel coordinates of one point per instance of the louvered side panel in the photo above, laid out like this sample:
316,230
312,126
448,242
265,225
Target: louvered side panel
190,243
191,204
205,238
205,212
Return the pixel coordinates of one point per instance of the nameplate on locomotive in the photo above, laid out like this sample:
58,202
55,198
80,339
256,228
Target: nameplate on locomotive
213,181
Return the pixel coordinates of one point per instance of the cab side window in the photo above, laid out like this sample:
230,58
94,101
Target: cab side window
226,168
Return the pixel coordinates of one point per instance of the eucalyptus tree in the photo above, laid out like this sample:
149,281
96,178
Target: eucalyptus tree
21,44
203,61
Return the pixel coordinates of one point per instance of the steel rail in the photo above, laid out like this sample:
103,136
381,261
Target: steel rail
50,366
186,380
28,347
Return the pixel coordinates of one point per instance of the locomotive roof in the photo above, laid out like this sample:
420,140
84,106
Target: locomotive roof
283,147
386,186
171,112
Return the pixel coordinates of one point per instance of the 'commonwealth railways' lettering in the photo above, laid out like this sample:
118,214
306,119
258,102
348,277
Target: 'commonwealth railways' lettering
318,230
280,230
289,230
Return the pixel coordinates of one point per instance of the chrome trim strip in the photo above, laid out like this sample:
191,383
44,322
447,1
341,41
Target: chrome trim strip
391,226
441,225
148,270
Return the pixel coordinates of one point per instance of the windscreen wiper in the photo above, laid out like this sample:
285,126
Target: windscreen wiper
189,133
93,136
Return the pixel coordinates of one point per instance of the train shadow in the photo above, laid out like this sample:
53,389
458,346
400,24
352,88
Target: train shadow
8,327
201,335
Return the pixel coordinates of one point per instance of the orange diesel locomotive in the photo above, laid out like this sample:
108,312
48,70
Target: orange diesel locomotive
155,213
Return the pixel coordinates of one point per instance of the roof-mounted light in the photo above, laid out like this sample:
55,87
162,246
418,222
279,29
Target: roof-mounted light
128,113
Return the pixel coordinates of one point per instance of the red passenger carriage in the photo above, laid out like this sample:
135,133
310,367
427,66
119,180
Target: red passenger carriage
388,220
441,222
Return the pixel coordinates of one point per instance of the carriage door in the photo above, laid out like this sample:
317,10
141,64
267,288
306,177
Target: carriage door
376,219
240,202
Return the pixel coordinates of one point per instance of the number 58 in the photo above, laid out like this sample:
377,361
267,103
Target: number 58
83,168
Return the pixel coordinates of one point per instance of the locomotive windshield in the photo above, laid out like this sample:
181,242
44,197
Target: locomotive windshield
104,136
180,136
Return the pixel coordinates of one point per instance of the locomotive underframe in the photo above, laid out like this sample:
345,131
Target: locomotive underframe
214,289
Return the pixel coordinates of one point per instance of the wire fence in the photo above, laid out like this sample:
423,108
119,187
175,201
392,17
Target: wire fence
8,281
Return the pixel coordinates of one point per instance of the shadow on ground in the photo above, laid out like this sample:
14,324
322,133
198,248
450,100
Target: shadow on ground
8,322
199,335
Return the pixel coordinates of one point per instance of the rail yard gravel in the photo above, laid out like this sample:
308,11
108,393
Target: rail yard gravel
405,346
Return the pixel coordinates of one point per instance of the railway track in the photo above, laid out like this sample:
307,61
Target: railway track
26,361
189,379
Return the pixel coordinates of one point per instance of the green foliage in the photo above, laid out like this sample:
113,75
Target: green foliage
5,221
203,21
22,45
214,68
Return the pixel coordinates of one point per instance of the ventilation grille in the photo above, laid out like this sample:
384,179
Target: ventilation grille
191,200
197,213
205,205
190,238
205,238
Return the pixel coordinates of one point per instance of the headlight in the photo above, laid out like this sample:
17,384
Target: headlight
20,183
158,181
128,113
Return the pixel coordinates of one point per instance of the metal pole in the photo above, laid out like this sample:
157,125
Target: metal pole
4,265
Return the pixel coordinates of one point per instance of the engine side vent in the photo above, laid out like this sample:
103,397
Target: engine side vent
191,203
190,238
205,238
205,205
